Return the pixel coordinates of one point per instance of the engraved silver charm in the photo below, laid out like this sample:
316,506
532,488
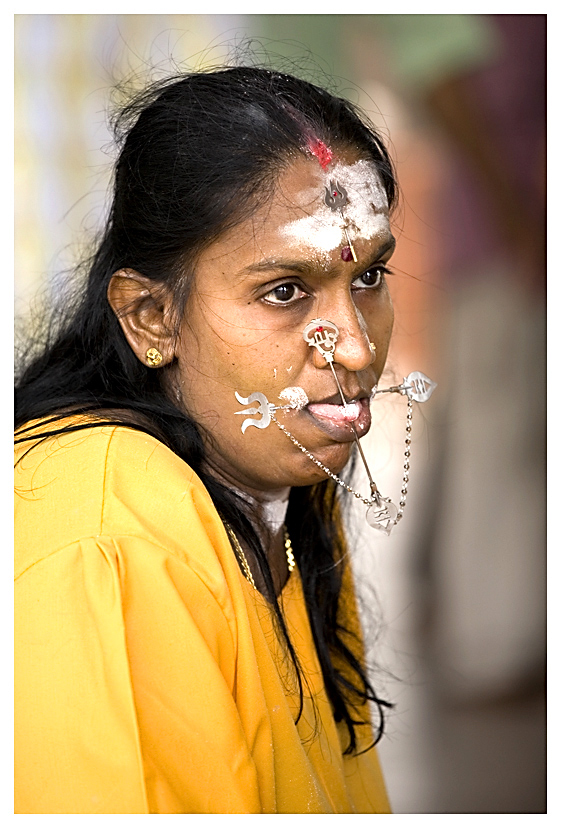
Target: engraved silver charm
322,334
336,198
264,409
382,514
416,385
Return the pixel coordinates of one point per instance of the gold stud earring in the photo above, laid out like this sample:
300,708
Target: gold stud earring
153,357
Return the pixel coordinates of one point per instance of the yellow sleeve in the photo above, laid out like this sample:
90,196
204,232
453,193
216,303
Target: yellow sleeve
125,667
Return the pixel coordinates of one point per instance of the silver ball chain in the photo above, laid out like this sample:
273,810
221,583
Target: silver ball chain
407,455
368,501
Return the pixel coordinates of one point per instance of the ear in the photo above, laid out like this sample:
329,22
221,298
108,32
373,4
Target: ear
144,309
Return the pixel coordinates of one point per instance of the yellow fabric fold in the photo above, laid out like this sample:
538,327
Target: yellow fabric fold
149,676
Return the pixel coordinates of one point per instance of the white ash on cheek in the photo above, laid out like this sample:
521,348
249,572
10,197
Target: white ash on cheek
295,396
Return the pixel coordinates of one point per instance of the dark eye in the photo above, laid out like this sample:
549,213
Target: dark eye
284,294
371,278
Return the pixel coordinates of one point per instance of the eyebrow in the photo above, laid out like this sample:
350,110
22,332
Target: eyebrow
305,266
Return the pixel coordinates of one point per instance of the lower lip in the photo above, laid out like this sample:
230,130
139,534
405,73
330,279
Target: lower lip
342,430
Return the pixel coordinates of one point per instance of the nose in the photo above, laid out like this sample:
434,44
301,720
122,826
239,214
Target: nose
352,349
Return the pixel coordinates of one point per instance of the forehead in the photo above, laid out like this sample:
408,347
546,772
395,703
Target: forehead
304,183
360,204
297,219
302,187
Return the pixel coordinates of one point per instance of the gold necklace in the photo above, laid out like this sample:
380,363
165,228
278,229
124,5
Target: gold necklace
243,560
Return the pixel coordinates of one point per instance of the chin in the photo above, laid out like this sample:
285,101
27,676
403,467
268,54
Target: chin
334,457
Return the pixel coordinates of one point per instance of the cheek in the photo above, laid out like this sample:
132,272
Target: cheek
389,319
211,374
378,315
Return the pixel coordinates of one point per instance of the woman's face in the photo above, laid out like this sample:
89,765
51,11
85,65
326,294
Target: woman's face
254,292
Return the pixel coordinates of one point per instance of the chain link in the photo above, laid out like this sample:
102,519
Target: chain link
407,455
368,501
290,559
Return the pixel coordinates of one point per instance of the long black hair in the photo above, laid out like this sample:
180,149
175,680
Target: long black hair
198,154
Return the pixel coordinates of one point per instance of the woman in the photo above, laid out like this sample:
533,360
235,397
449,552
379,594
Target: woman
187,636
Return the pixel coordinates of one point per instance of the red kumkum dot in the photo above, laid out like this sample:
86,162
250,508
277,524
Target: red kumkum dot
321,152
346,254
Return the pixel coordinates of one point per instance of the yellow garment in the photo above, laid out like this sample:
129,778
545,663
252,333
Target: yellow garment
149,676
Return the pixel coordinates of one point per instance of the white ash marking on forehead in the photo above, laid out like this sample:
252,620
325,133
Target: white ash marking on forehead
322,230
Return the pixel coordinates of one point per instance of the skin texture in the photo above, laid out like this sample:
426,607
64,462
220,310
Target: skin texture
254,291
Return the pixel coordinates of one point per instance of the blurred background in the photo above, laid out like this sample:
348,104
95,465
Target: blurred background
458,590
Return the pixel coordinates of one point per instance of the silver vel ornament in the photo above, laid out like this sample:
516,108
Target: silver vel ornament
382,514
416,385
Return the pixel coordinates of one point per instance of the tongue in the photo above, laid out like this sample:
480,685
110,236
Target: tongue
337,413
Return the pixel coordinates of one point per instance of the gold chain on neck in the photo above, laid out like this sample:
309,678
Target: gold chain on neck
243,560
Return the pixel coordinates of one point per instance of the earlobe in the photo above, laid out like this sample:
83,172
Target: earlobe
144,310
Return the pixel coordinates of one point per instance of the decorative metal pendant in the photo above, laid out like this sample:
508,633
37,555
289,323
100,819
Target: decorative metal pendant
264,409
416,385
335,196
336,199
382,514
323,335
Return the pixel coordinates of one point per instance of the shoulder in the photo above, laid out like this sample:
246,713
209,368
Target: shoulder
109,481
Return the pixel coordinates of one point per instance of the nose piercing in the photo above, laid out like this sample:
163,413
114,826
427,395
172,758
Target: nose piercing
323,335
372,348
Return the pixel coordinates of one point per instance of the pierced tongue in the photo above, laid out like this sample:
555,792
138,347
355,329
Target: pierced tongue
338,413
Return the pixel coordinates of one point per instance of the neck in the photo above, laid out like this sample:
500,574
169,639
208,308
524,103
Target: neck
266,510
270,507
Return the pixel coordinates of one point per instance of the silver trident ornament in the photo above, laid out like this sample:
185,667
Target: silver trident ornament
296,399
264,409
323,335
336,198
